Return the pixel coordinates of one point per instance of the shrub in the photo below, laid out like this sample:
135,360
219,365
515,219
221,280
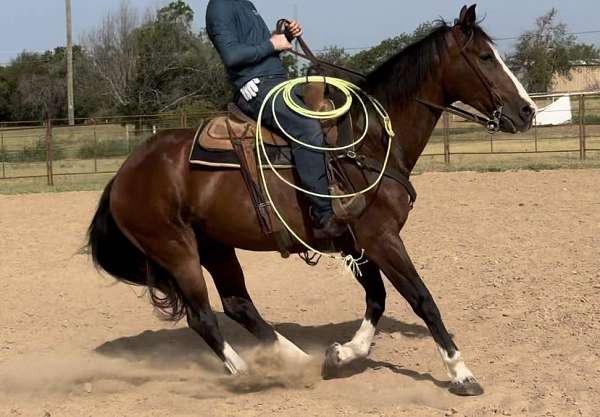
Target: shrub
34,153
589,119
103,149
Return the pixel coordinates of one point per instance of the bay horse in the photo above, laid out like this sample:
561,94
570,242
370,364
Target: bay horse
159,221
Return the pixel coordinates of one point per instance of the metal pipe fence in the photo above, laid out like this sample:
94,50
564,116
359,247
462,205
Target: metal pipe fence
52,148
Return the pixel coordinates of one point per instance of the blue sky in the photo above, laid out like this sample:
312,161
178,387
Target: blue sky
38,25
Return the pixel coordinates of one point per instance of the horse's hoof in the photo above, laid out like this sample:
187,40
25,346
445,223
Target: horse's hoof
332,362
467,388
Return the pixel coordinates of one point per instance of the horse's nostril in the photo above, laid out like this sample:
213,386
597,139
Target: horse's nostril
527,112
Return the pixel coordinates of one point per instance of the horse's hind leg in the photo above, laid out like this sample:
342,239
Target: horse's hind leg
177,252
223,265
359,347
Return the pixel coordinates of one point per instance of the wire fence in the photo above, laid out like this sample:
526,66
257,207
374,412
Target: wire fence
53,149
455,142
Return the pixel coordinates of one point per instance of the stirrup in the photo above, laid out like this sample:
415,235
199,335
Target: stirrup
347,209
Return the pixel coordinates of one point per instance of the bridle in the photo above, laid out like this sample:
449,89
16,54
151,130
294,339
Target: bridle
492,124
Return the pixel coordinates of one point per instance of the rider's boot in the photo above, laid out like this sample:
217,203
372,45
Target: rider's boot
337,214
329,227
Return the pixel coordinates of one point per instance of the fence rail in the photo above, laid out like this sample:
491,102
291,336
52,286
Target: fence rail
99,146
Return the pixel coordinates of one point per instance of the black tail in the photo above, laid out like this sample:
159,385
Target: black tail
114,253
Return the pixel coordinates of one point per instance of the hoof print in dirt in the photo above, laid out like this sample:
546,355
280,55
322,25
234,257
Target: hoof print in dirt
468,388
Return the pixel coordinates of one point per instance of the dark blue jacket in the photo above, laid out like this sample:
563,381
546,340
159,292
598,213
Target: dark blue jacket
243,41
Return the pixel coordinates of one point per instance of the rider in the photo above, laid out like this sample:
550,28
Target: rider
250,53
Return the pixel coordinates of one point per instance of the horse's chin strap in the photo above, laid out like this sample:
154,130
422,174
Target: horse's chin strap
491,124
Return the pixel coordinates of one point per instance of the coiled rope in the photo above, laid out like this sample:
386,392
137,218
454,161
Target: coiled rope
350,91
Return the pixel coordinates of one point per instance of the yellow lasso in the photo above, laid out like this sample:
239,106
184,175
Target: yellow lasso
349,90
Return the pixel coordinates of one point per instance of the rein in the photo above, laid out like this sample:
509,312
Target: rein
309,55
491,124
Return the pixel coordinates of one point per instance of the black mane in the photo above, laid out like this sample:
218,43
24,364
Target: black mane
405,73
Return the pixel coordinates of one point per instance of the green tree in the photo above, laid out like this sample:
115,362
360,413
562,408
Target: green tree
158,65
367,60
335,55
177,12
290,63
547,50
33,86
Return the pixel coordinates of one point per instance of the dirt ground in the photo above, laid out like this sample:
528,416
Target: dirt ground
511,258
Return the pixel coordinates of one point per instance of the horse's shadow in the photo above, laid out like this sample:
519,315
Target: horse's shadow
174,348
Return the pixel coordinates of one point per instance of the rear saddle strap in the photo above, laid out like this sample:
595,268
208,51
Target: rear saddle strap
368,164
268,221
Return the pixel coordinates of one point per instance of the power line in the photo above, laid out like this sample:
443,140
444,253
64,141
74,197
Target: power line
325,49
587,32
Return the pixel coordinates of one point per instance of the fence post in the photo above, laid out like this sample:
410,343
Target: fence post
95,149
3,150
183,119
582,144
535,133
49,158
446,119
127,138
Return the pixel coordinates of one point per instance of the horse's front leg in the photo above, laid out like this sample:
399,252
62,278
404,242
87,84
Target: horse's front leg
389,252
339,355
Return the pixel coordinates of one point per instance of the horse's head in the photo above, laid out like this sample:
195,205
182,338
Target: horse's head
477,76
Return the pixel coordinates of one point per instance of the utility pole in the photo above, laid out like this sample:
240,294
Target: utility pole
70,104
296,46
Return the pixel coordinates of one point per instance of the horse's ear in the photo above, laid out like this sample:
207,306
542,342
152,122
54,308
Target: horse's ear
461,16
468,17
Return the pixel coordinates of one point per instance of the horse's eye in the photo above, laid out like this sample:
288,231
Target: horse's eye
487,57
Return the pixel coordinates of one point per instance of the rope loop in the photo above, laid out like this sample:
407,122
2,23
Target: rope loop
350,92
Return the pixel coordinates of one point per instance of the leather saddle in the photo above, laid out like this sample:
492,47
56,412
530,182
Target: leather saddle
218,133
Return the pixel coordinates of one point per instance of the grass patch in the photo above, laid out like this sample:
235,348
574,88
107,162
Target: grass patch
65,183
502,163
33,153
104,149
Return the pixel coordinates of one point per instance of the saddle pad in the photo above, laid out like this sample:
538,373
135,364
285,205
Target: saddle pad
280,156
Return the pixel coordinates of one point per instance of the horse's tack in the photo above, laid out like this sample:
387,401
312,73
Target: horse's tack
267,220
369,164
492,124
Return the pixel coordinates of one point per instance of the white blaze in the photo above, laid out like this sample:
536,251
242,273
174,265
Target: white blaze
522,92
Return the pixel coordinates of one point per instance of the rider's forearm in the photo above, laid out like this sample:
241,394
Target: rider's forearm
236,54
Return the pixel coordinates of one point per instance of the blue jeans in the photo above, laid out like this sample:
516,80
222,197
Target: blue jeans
310,164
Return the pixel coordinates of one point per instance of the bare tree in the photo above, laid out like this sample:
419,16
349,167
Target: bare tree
113,51
156,62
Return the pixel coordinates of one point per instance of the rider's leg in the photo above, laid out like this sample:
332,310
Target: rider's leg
310,164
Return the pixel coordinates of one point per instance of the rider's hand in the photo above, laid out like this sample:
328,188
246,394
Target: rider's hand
250,89
280,43
294,29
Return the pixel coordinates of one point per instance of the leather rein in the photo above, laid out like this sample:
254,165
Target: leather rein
309,55
492,124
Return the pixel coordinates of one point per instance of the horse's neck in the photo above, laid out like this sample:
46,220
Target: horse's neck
413,123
